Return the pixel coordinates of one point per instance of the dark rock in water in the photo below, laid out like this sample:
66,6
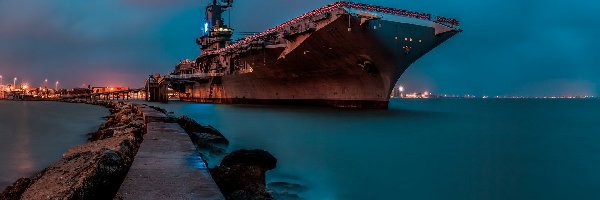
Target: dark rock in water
241,174
206,138
258,158
205,133
16,190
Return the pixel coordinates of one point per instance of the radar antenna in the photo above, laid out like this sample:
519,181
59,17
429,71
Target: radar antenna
215,33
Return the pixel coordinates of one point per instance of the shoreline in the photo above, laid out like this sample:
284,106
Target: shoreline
91,170
97,168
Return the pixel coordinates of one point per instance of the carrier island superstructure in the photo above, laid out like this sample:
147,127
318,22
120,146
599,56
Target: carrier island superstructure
344,55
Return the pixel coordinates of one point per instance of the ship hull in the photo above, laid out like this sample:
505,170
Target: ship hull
362,104
343,63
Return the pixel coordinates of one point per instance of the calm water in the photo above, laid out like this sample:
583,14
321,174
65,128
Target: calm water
35,134
424,149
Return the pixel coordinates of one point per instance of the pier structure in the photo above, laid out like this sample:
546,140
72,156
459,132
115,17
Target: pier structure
158,87
167,165
111,95
119,95
4,91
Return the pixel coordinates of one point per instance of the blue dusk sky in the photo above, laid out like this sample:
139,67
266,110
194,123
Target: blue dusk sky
508,47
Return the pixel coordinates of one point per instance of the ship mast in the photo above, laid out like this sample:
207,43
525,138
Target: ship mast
215,34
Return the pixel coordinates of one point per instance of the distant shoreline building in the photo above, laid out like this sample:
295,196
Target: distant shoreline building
109,89
3,91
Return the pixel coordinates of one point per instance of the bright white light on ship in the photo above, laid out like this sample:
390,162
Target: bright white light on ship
401,89
205,27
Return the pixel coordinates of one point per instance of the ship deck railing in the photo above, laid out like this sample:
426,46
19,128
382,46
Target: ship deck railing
196,75
450,22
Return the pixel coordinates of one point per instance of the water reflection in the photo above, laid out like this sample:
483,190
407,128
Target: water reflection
22,145
35,134
421,149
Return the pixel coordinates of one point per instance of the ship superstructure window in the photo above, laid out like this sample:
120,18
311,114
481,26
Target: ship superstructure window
221,30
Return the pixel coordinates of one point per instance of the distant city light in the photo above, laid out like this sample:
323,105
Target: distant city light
401,89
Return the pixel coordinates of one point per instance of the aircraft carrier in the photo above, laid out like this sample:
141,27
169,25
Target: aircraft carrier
343,55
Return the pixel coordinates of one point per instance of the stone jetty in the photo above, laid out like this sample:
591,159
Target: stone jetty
141,153
93,170
136,154
167,165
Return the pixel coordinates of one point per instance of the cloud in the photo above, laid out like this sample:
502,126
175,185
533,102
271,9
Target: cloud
51,38
506,46
160,2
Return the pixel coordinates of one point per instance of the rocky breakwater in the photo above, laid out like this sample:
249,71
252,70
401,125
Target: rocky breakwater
208,139
91,171
241,174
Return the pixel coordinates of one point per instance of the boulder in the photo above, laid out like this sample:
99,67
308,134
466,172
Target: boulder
124,119
241,174
258,158
208,139
16,189
91,171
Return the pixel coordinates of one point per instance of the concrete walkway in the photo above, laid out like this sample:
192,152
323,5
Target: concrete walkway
167,165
